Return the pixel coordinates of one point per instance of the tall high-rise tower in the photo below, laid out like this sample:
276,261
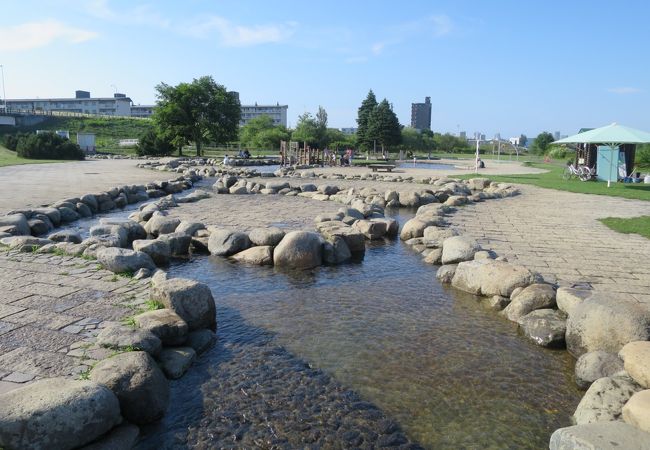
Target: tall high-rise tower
421,115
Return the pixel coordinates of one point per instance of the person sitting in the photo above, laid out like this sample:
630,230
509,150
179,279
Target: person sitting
226,161
480,164
247,154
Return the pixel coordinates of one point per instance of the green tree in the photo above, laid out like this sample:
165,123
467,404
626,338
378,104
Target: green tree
306,130
153,143
321,124
523,140
198,112
261,132
363,116
542,142
384,127
450,143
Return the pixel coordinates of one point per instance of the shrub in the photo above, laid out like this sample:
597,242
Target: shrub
48,146
643,155
557,152
152,143
10,141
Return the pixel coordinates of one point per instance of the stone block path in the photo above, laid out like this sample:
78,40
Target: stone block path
50,309
558,234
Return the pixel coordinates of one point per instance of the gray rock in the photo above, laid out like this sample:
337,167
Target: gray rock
432,256
259,256
238,190
594,365
68,214
138,383
224,242
38,227
308,187
636,356
545,327
636,411
491,277
392,227
65,236
164,323
458,248
266,236
352,212
336,251
175,361
159,224
603,323
414,228
604,400
52,213
83,210
371,229
191,300
535,296
569,298
179,243
354,239
201,340
56,413
277,185
497,302
409,199
90,201
189,228
18,222
111,230
435,236
121,437
600,436
24,243
328,189
133,229
158,249
121,337
298,250
446,273
120,260
141,274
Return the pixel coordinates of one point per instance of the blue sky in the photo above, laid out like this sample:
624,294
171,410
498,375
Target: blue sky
491,66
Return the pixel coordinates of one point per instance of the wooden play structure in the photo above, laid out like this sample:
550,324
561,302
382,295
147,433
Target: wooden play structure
292,153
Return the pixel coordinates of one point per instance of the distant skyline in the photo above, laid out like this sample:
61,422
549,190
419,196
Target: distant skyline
503,66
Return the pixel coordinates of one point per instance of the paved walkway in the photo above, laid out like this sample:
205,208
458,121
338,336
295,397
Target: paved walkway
557,233
50,308
33,185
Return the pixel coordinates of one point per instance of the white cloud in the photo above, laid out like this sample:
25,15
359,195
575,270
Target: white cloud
377,48
232,35
624,90
40,34
442,24
144,14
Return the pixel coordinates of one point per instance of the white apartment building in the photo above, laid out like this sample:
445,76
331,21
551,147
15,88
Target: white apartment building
118,105
277,112
142,110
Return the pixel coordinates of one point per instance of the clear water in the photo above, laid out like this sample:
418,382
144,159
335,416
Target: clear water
423,165
453,373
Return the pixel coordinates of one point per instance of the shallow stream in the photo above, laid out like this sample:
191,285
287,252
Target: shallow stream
449,371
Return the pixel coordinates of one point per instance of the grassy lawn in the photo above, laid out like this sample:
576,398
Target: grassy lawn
553,180
636,225
9,158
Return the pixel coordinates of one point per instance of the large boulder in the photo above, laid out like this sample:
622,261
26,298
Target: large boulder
336,251
545,327
224,242
18,222
189,228
636,356
354,239
371,229
201,340
179,243
445,273
121,437
604,323
261,255
409,199
121,260
157,249
458,248
414,228
121,337
56,413
328,189
159,224
435,236
164,323
111,230
604,400
490,277
266,236
298,250
568,298
65,236
535,296
175,361
637,411
599,436
191,300
138,383
594,365
133,229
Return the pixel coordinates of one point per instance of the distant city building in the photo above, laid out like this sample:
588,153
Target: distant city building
497,137
349,131
514,141
462,135
421,115
118,105
142,110
277,112
556,135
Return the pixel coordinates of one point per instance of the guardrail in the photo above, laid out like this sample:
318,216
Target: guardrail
36,112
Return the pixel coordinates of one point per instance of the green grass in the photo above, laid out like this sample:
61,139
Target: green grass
553,180
635,225
9,158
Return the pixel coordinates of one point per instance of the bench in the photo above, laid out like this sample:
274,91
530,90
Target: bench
386,167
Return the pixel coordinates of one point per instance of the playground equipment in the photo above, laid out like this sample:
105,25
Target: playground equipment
291,153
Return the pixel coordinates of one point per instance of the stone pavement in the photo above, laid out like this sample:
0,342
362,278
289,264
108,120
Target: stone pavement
33,185
50,307
557,234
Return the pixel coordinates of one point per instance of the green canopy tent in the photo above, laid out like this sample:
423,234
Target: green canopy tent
613,136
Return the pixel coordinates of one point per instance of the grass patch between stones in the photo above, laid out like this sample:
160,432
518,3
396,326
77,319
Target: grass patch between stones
636,225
